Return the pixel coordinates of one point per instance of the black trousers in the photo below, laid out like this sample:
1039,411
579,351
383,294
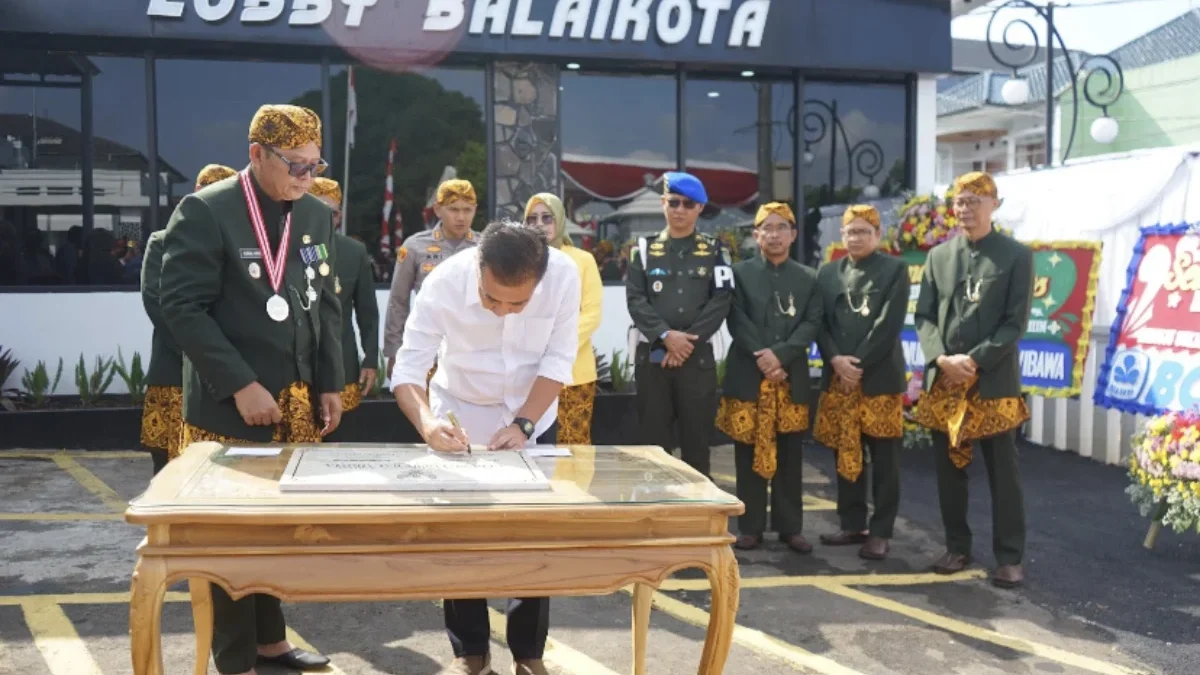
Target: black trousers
240,626
1008,502
467,623
159,458
885,488
787,494
682,399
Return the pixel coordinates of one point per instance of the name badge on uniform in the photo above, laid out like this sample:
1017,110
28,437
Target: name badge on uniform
250,254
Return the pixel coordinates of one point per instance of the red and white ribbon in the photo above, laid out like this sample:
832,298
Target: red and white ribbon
275,263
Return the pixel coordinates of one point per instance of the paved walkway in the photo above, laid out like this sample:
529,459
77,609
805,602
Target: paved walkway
1095,601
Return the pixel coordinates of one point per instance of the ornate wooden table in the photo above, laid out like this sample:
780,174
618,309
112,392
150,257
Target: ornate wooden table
614,516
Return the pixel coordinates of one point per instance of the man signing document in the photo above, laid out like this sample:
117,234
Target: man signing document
501,319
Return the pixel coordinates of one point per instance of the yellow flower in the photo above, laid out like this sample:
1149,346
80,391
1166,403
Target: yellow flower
1196,455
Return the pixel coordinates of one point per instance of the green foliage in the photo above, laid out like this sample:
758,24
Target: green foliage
8,366
381,372
621,372
38,384
603,370
92,386
720,373
133,376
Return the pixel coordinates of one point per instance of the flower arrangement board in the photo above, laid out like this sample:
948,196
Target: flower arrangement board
1055,344
1164,470
1152,364
415,469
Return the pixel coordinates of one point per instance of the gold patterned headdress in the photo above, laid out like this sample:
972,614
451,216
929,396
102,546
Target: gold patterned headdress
455,189
326,187
778,208
865,211
977,183
285,127
213,173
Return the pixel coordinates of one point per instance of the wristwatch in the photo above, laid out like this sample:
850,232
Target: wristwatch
525,426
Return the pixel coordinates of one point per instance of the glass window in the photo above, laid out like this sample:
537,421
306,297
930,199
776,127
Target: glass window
618,138
739,145
41,169
435,117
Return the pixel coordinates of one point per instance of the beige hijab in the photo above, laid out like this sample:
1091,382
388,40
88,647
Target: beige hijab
560,217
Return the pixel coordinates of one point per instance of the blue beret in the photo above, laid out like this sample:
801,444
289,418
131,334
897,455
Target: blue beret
685,185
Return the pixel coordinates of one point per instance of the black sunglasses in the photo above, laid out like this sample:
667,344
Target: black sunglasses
547,219
296,169
686,203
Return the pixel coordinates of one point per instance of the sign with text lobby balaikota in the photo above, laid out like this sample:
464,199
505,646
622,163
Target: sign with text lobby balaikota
1055,343
1152,364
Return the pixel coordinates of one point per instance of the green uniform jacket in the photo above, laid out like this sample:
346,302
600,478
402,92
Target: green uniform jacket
166,361
759,319
682,284
881,281
216,308
354,283
1001,270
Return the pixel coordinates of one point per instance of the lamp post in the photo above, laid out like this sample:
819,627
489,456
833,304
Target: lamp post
1015,92
864,157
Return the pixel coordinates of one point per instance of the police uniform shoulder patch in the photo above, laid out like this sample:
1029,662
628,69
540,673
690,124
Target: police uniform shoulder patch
402,254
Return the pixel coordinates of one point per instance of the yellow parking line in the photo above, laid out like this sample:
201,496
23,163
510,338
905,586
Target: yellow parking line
91,483
840,579
811,502
972,631
81,454
60,516
300,642
755,640
55,637
83,599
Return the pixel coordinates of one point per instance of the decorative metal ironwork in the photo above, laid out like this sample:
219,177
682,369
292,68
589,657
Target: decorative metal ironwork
1111,75
864,157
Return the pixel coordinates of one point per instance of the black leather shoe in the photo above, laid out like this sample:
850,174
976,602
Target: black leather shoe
297,659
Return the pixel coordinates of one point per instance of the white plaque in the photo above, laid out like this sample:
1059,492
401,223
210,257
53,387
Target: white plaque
415,469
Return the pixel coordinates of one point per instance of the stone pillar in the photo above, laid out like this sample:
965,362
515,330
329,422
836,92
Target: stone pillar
526,135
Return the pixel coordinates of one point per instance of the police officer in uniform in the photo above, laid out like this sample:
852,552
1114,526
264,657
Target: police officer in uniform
162,410
679,289
354,284
247,291
456,204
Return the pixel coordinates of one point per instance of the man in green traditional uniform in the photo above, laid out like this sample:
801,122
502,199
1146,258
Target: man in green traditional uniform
775,316
865,299
247,290
679,286
354,284
162,409
455,209
973,309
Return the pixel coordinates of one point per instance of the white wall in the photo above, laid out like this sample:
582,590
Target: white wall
46,326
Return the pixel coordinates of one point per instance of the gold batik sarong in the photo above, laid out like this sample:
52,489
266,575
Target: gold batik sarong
958,412
575,408
162,419
758,422
845,416
351,397
299,424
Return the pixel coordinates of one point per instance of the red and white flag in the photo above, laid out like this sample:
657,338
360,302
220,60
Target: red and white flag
385,237
351,122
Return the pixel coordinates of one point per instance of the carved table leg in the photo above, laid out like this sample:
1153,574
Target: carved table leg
145,615
725,592
642,597
202,617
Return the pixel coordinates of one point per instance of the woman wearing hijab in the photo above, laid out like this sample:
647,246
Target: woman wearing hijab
575,403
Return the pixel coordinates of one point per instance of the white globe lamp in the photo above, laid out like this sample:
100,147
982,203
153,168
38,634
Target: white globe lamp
870,192
1015,91
1105,129
808,157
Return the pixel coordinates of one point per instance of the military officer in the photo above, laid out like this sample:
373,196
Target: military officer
864,299
455,208
162,409
679,287
974,306
775,316
354,284
247,290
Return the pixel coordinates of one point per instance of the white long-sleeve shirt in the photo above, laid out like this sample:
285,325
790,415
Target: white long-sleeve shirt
487,364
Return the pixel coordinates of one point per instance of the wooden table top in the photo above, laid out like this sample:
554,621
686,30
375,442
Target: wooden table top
205,484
